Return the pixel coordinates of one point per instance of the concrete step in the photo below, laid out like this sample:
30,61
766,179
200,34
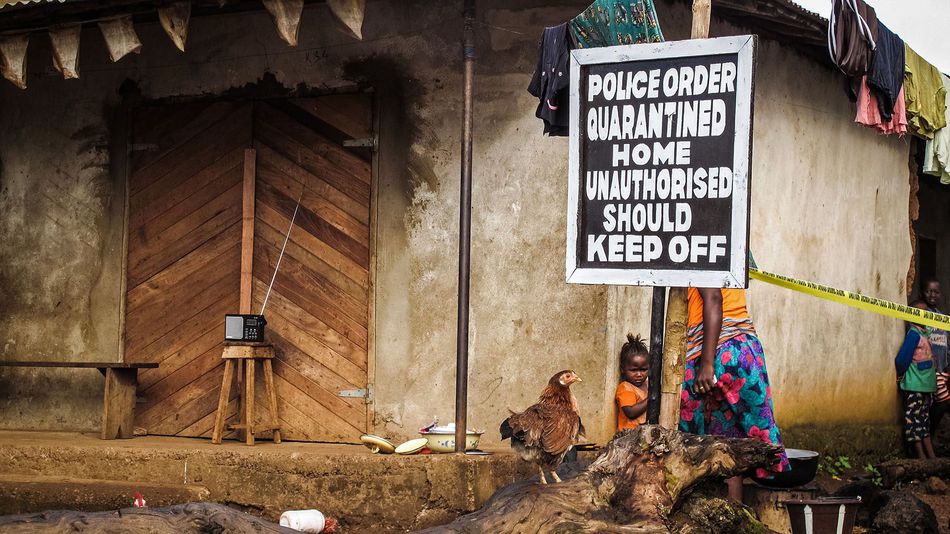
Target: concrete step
369,493
23,494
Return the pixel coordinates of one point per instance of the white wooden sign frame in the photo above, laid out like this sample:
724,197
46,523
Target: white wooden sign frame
737,274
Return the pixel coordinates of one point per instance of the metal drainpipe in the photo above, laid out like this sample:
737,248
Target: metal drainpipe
465,228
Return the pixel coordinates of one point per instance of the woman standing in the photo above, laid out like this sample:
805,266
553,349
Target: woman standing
726,386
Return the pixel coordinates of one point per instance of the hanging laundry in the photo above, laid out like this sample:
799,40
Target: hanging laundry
937,153
13,58
869,113
852,34
174,20
551,80
286,15
616,22
120,36
65,43
350,13
925,93
886,77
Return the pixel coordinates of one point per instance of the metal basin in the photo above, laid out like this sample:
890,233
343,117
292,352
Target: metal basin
804,466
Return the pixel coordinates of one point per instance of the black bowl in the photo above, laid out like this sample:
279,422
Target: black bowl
804,467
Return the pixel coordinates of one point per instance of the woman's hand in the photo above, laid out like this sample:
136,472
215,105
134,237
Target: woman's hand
712,327
705,381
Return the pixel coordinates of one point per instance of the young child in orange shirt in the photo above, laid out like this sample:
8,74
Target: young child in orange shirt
631,394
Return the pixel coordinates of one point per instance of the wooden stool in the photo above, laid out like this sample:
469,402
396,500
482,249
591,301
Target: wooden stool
247,355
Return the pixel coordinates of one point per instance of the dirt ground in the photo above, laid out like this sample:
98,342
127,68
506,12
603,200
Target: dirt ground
939,502
941,506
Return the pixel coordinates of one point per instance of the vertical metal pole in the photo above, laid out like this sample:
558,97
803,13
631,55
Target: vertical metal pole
465,227
657,320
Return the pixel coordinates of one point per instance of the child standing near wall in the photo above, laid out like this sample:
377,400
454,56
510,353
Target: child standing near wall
631,393
932,296
917,380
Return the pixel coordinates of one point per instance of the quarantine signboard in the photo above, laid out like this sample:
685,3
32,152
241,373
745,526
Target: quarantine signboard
660,152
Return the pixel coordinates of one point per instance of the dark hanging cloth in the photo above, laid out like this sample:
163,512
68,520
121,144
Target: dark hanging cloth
852,36
886,76
551,80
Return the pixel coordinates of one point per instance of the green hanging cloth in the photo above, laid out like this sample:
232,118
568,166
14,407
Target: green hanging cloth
616,22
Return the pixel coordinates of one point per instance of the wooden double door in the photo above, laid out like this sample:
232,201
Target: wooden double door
188,167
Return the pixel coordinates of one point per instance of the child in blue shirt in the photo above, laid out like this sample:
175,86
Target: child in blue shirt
917,380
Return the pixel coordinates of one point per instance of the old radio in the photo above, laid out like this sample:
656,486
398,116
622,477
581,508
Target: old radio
249,327
244,327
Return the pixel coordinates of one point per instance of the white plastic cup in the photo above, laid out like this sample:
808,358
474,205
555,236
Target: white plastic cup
309,521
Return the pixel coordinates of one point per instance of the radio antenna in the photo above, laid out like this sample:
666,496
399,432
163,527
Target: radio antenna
282,249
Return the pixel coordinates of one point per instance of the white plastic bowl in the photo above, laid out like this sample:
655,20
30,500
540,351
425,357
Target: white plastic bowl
445,442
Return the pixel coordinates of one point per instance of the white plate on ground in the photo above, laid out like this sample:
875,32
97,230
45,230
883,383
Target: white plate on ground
412,446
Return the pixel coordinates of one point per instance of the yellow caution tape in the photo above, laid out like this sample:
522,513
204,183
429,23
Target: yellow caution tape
871,304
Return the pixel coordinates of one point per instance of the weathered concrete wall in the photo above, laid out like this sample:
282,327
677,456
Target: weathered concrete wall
829,204
61,249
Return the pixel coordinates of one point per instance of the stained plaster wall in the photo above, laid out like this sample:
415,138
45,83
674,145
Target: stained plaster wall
61,247
829,205
813,215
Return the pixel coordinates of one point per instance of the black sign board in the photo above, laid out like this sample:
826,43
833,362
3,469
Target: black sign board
660,154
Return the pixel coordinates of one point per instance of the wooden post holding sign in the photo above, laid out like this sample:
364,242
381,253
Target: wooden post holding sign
701,13
671,372
659,167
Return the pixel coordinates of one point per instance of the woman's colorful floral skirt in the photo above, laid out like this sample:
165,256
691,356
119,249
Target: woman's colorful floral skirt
741,405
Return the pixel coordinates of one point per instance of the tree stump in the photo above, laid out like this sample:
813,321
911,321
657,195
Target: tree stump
633,486
706,510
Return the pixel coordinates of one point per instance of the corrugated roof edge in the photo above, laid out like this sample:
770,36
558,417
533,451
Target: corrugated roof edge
802,9
9,3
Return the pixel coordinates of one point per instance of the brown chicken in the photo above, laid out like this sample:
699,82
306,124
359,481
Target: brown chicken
547,430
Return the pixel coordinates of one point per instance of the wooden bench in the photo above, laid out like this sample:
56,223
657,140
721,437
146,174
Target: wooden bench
118,404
